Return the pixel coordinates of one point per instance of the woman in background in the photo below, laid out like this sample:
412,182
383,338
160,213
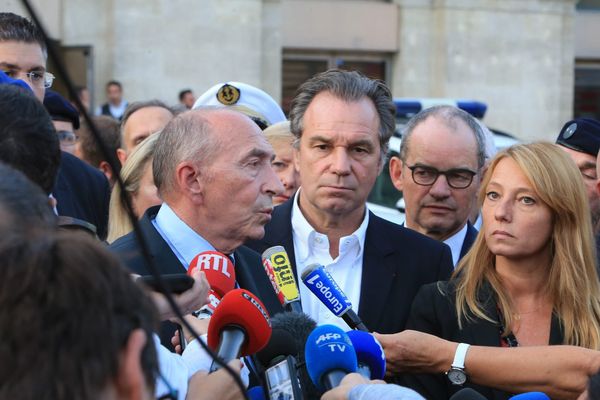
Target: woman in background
281,138
139,183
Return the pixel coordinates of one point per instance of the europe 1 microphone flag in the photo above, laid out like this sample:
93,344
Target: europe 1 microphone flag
320,282
279,270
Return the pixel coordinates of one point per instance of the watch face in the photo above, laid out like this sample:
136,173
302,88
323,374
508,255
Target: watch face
457,376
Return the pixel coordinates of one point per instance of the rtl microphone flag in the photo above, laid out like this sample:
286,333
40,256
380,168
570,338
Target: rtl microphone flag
279,270
220,274
320,282
240,326
370,355
329,356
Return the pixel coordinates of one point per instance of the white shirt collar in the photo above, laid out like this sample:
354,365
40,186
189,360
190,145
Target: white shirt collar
183,240
308,238
455,242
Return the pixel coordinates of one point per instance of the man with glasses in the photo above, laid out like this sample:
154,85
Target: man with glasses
81,192
438,171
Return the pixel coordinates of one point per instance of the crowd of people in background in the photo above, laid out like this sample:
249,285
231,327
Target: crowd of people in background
491,283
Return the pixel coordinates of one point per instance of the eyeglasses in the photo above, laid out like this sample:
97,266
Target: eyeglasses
67,137
457,178
37,78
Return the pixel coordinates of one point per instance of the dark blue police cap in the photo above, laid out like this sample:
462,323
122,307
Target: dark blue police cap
60,109
581,134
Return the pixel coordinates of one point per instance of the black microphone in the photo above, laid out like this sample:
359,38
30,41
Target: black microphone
298,326
467,394
281,375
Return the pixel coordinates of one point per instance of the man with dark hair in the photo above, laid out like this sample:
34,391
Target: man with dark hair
74,324
343,122
441,140
23,205
23,53
116,105
141,119
28,141
87,148
187,99
81,191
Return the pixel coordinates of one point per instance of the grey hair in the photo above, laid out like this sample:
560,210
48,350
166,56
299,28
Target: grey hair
136,106
448,114
185,138
349,86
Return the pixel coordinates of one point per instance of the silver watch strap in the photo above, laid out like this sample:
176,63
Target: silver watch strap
460,355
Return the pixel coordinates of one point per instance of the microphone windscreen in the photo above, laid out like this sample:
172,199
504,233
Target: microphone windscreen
467,394
368,352
281,344
256,393
218,268
531,396
328,348
240,308
299,325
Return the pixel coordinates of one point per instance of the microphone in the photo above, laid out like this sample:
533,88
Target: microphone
279,270
240,326
284,356
531,396
467,394
299,326
220,274
329,356
281,375
369,353
320,282
256,393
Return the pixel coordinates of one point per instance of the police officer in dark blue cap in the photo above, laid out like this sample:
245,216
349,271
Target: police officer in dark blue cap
580,138
65,119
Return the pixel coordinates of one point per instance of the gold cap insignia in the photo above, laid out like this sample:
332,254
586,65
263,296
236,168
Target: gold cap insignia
228,95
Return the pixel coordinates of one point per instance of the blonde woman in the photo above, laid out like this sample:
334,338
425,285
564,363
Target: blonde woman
139,183
281,138
530,277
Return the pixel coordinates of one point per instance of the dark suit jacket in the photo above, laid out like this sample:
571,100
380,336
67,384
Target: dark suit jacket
249,272
396,263
82,192
433,312
469,240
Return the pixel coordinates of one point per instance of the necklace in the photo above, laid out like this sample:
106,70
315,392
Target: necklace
519,314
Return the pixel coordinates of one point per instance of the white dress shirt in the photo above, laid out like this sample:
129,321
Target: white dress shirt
311,247
183,240
455,242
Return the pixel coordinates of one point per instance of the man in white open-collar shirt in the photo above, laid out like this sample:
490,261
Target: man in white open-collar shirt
342,122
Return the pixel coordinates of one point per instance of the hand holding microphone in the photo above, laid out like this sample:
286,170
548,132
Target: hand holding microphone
369,353
320,282
220,273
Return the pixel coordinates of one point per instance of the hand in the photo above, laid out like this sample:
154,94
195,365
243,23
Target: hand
189,301
341,392
218,385
413,351
200,326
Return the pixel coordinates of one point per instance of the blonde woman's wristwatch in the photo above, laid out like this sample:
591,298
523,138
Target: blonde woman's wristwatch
456,374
